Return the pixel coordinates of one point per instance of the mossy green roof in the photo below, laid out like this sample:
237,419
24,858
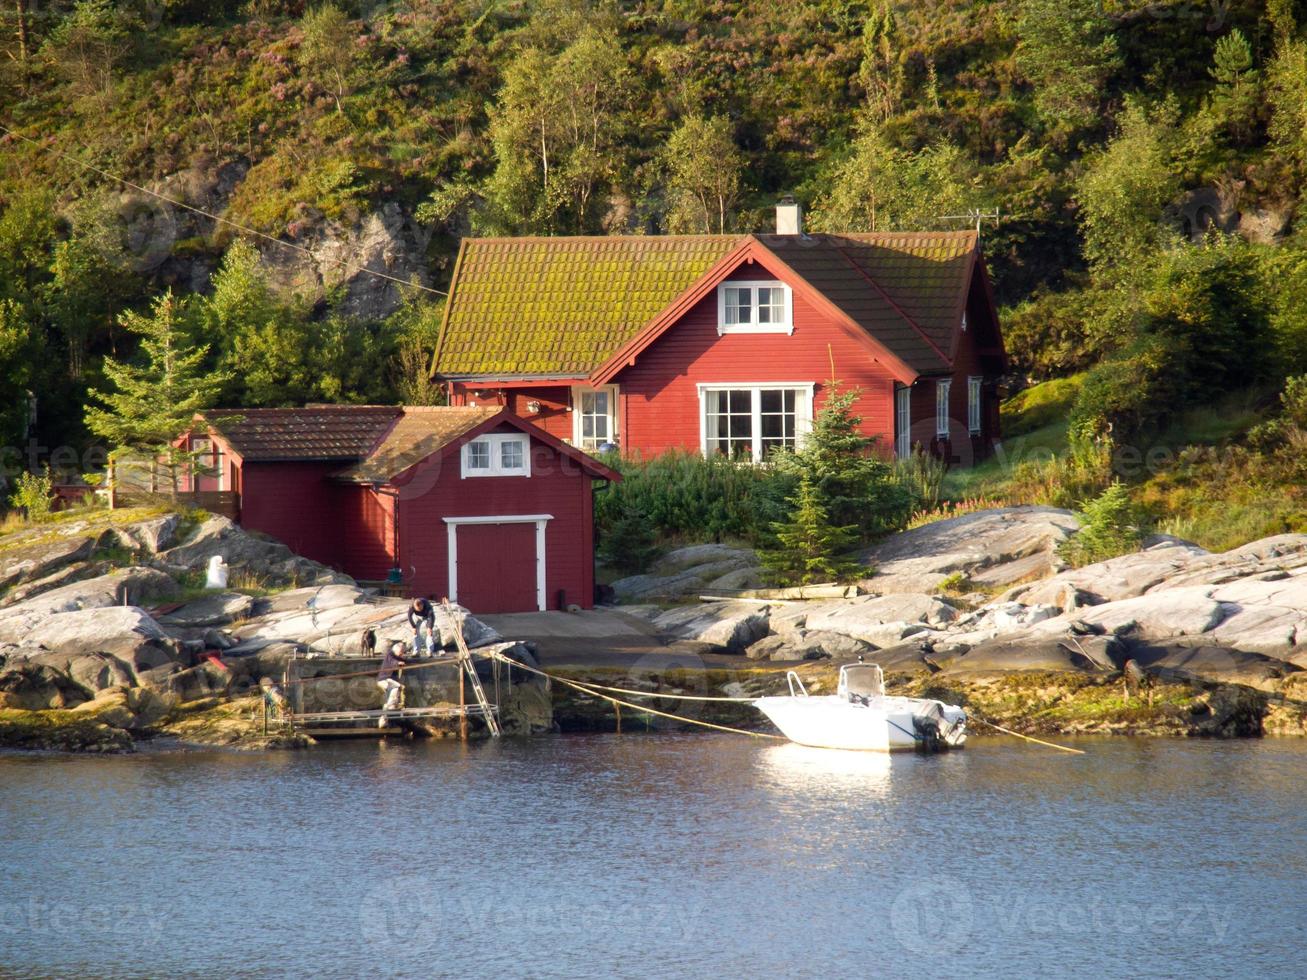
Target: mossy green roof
562,306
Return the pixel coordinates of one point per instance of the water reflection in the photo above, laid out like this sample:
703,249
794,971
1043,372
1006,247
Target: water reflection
794,768
666,854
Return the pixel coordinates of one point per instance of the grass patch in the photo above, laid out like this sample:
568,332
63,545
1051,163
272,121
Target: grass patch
1040,406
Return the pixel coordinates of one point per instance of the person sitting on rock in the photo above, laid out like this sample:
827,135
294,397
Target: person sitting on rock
392,659
422,618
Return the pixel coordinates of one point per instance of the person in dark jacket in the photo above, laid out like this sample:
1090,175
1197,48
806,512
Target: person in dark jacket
393,658
422,619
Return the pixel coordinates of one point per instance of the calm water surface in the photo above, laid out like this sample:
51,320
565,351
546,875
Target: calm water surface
658,856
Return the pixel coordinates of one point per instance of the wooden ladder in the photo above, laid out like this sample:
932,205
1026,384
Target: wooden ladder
465,655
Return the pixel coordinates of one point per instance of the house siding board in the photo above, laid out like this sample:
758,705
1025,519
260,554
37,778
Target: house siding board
365,520
661,394
557,486
291,502
554,415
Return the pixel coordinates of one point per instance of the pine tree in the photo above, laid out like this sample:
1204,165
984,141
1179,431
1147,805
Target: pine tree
856,484
155,401
809,546
627,543
1109,526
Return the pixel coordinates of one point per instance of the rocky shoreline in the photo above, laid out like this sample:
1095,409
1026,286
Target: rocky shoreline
107,638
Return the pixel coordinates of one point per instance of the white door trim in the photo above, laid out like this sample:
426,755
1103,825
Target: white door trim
539,520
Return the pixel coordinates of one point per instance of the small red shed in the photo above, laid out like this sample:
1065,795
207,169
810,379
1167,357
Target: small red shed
473,503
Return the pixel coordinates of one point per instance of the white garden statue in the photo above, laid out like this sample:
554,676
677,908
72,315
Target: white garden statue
217,577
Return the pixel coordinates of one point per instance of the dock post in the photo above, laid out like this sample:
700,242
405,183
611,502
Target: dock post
617,709
462,704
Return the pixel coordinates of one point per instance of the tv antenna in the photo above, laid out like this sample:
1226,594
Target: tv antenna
972,215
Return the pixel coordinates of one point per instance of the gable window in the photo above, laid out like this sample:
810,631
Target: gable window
973,404
497,455
754,307
594,417
753,421
942,389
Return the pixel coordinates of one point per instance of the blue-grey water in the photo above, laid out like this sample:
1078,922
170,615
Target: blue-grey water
658,856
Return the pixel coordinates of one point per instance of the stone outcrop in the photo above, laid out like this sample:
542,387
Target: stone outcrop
726,625
1176,610
266,559
691,570
990,548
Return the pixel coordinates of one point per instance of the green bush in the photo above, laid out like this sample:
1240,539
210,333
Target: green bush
683,494
1109,526
1125,394
627,539
923,474
34,495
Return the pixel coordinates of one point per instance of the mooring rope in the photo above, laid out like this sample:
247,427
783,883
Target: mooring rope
627,704
596,691
1028,738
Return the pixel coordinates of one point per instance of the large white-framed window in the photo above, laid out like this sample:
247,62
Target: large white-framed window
594,417
942,391
761,306
903,421
974,389
506,454
751,421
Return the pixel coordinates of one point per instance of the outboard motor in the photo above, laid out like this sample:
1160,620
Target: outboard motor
927,732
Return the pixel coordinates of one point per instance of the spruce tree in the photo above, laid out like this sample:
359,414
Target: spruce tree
155,401
855,483
809,546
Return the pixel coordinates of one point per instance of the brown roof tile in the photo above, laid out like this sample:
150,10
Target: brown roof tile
335,432
419,433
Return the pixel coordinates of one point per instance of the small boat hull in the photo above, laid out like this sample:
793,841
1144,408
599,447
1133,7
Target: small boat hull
884,725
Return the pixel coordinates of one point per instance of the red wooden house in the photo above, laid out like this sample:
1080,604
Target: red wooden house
473,503
726,343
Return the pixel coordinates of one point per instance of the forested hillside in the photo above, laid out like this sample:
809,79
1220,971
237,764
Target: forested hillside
1146,161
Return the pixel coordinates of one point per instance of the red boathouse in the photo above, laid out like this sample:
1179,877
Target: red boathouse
473,503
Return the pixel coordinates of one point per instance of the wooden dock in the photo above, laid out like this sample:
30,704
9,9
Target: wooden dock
364,722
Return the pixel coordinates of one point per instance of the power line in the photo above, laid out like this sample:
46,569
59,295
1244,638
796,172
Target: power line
340,263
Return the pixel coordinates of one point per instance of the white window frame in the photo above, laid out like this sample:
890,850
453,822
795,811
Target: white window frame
903,421
802,409
452,525
943,392
753,285
975,396
217,461
614,434
496,442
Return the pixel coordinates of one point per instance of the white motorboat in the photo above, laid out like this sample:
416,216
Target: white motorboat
860,715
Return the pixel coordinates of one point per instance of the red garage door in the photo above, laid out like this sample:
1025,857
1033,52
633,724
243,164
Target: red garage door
497,567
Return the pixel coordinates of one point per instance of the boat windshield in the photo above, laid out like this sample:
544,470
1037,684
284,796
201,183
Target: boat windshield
862,680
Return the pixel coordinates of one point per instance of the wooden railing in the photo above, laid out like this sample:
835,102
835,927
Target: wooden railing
226,503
